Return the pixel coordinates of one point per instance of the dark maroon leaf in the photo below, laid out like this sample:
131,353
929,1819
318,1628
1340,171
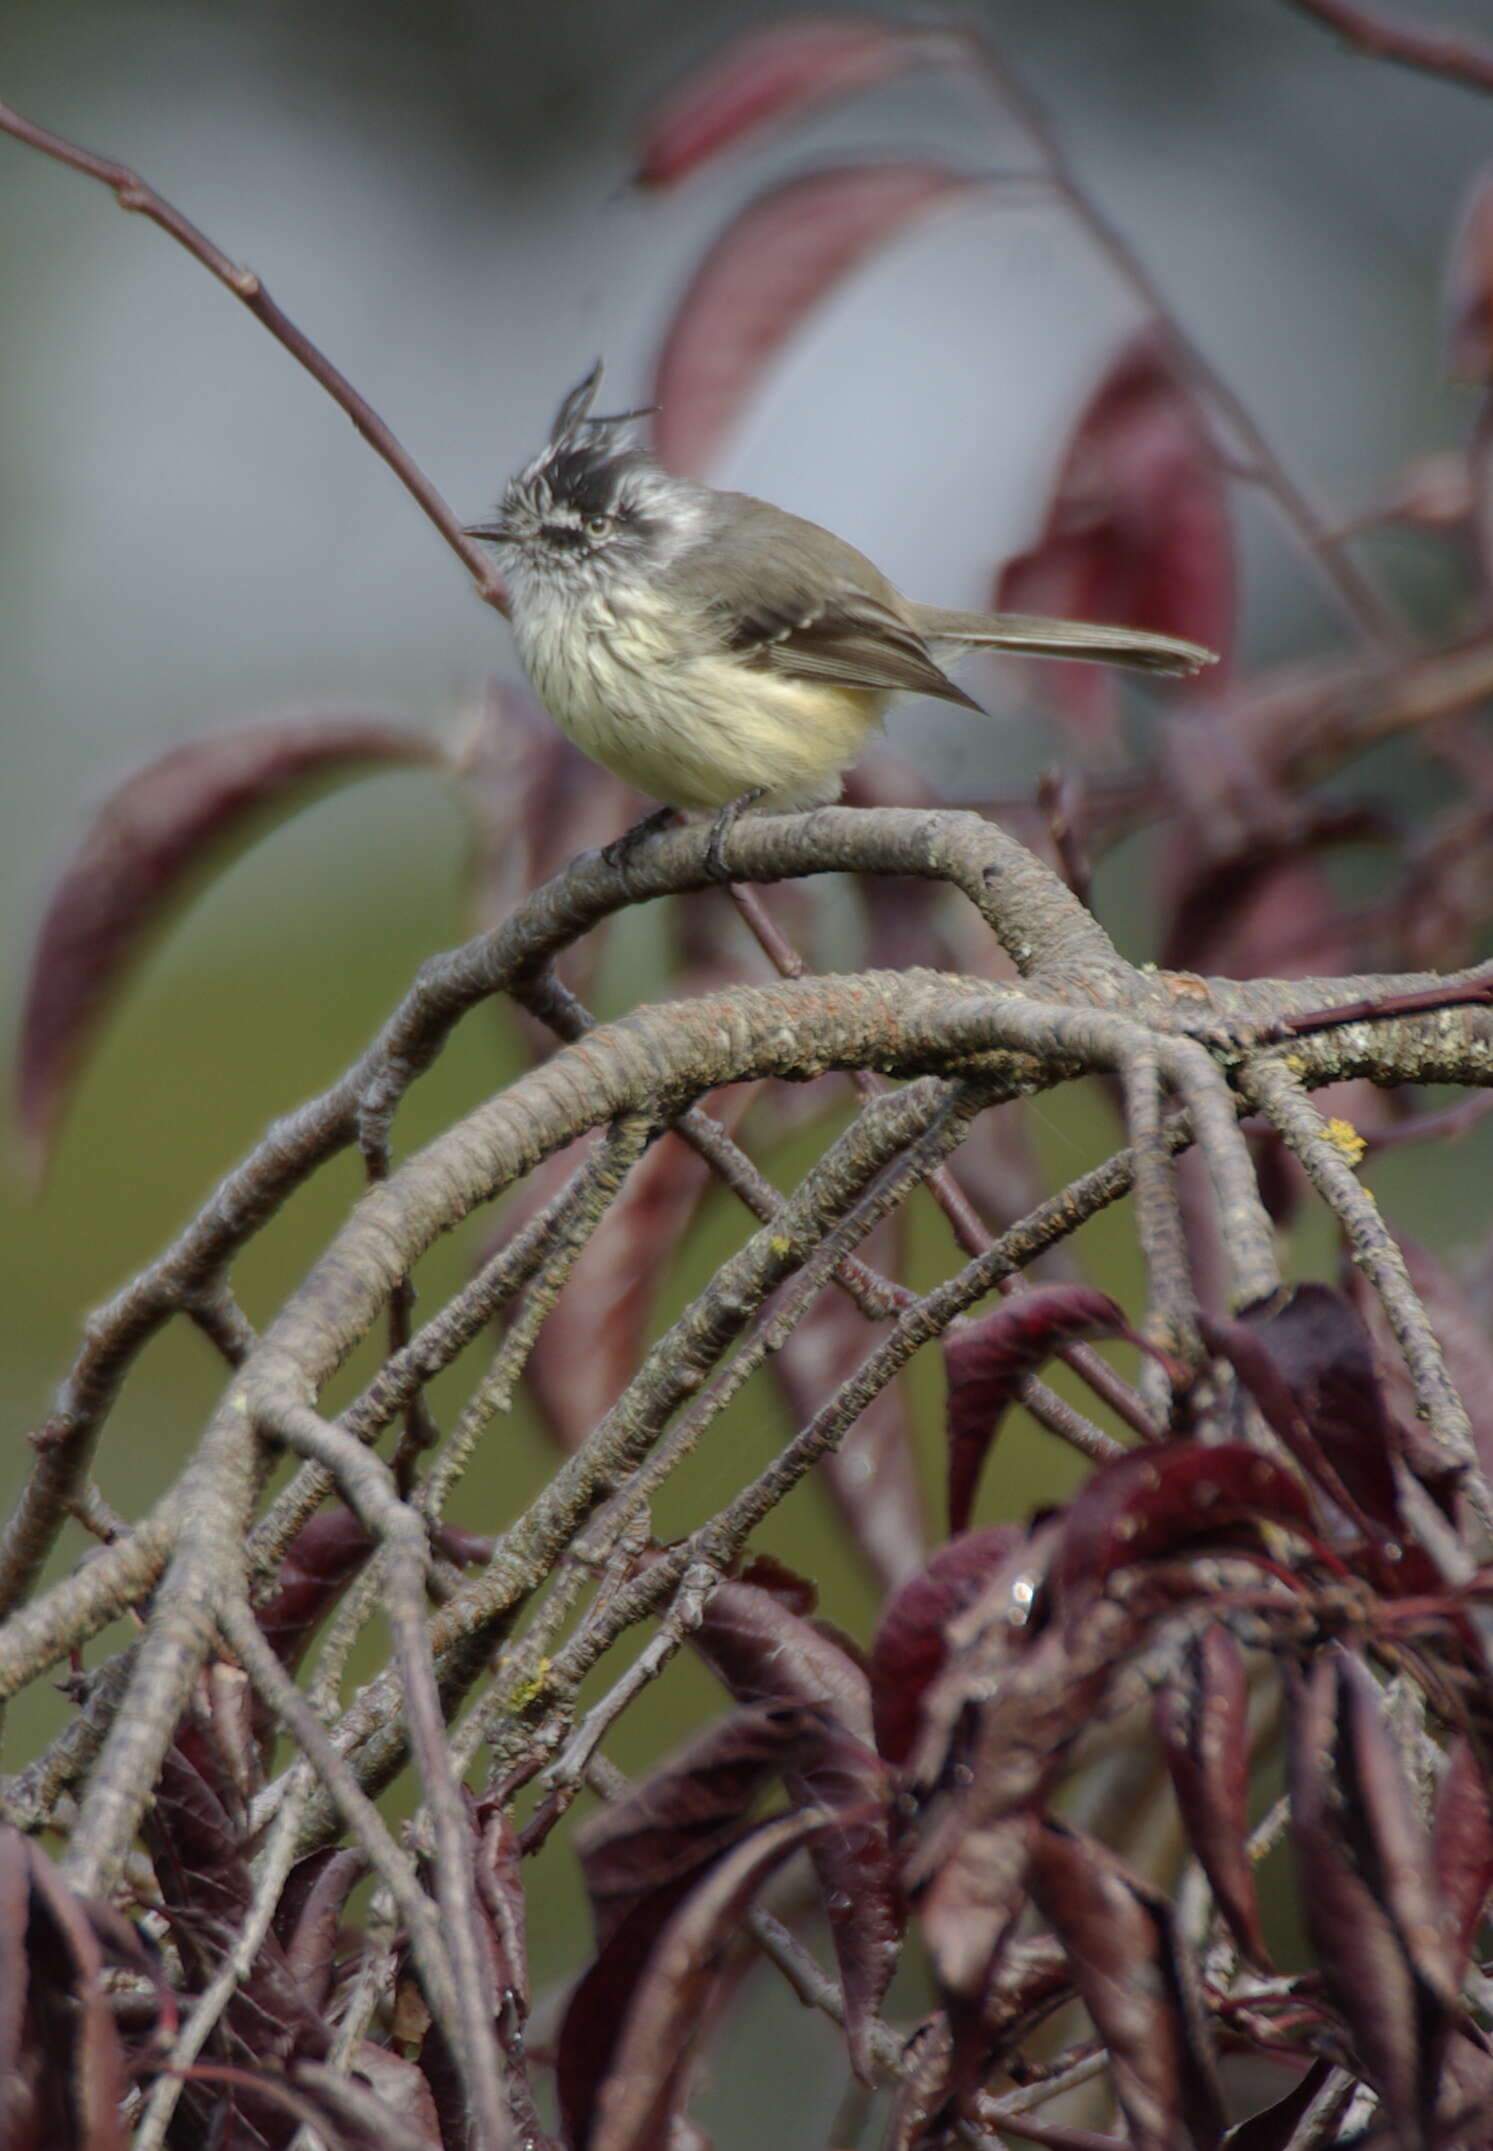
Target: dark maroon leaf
94,2070
911,1640
155,832
689,1810
1462,1842
977,1892
648,2069
1469,289
1136,1978
1384,1940
987,1361
1158,1499
853,1857
321,1560
1137,531
405,2114
764,1653
1321,1351
1202,1717
771,266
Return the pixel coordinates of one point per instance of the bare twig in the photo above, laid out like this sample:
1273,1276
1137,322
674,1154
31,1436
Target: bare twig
1454,55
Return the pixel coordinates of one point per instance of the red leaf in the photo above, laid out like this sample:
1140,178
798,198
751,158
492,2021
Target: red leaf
766,1653
1202,1717
1462,1842
624,2044
763,275
1137,1980
320,1561
986,1363
1384,1940
1147,1504
769,75
1469,288
153,833
911,1641
689,1810
1137,531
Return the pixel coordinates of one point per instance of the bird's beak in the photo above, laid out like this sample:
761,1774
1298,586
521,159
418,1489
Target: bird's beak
496,531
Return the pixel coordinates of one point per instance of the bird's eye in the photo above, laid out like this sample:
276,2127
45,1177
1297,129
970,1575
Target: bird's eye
599,526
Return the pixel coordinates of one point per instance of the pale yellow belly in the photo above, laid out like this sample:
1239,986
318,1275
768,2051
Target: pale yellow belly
698,731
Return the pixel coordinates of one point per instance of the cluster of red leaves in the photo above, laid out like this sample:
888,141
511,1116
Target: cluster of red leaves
923,1779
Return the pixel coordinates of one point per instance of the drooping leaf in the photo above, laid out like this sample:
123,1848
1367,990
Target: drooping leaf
1462,1842
1469,288
1137,1980
155,832
1321,1349
1384,1939
776,261
625,2042
770,75
1202,1717
685,1813
987,1361
911,1641
1137,531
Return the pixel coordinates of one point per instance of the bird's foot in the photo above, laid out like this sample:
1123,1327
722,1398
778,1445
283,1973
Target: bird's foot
720,829
623,850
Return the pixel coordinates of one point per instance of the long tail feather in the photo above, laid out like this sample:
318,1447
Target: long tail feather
1077,640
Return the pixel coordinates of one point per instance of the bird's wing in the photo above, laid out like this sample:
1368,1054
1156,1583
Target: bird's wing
848,639
784,595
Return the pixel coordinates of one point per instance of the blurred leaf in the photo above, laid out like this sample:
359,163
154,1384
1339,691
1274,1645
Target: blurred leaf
1462,1842
1384,1940
872,1477
1469,288
155,832
772,75
1318,1345
1137,531
911,1641
775,262
1202,1717
1137,1980
987,1361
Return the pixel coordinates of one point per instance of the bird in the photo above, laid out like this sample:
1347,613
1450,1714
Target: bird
717,652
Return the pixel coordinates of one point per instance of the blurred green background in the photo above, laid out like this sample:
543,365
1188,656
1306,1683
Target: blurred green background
191,535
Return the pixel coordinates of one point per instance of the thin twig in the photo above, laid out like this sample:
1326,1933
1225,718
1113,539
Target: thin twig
1452,54
132,193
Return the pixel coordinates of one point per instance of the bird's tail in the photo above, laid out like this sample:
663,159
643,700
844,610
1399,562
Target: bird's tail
1078,640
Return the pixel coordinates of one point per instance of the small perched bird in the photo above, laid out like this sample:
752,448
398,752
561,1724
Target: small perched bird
717,652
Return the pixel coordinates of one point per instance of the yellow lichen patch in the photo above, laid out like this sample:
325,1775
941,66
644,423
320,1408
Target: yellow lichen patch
1344,1137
